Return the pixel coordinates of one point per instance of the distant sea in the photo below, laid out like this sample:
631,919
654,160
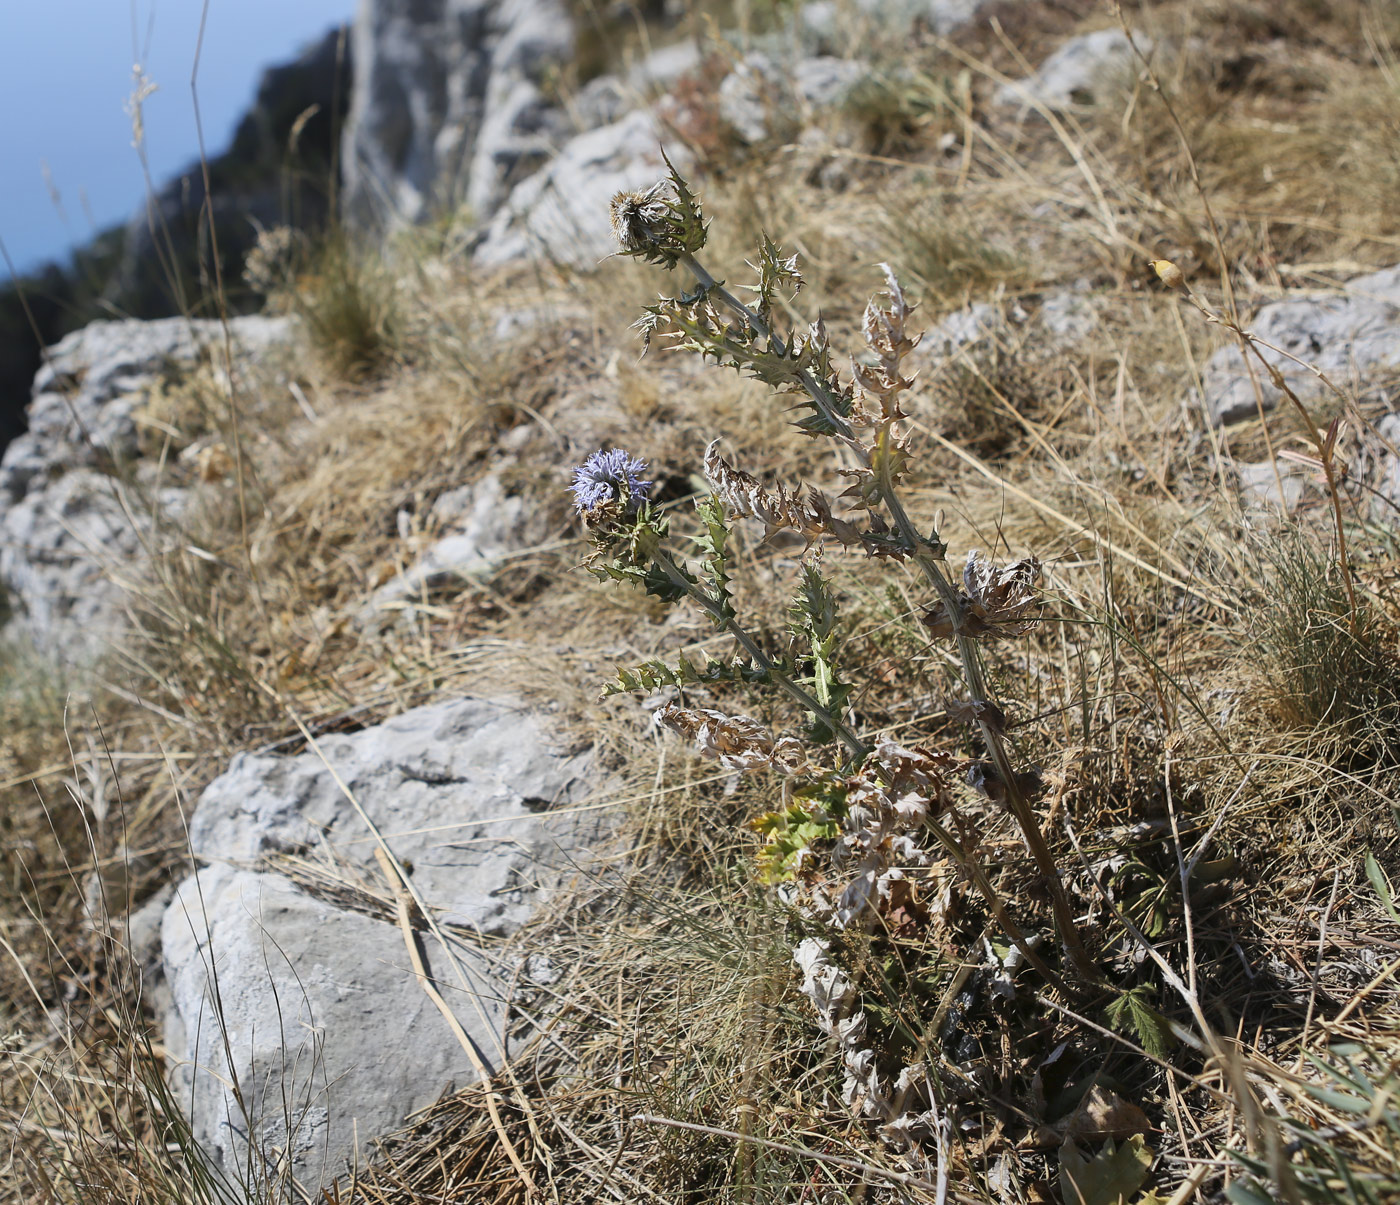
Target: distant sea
67,166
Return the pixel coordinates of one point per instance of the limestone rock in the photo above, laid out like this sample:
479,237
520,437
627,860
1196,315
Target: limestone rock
821,19
561,213
977,323
1259,485
759,88
1385,503
1354,336
1068,317
663,66
466,788
479,526
313,989
314,1013
447,106
73,526
1077,73
609,98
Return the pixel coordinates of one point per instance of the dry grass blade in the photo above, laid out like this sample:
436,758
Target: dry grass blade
400,889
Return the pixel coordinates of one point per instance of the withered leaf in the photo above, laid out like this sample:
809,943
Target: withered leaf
1108,1178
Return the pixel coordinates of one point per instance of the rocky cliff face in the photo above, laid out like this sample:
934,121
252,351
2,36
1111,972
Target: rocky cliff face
81,508
447,106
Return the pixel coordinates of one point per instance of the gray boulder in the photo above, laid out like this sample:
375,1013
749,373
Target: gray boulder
1068,317
65,555
1354,336
606,99
479,526
562,212
313,1013
1385,503
447,106
971,324
821,19
77,512
295,983
759,88
1259,485
1078,73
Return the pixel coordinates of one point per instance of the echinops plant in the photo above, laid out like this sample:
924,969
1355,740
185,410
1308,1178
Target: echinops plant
878,810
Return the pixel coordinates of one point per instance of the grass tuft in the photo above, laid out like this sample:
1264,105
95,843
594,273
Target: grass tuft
1326,669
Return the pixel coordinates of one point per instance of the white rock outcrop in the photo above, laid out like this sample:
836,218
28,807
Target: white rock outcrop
1385,503
447,107
286,970
1078,73
561,213
759,89
478,528
76,503
1353,336
449,110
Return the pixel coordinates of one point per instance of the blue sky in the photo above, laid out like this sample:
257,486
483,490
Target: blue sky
66,73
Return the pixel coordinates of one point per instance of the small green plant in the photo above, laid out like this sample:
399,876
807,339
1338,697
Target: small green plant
899,110
1344,1153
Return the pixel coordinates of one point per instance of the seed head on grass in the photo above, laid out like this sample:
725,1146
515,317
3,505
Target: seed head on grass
1168,273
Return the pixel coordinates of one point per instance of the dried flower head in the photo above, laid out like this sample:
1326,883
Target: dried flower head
996,602
661,223
607,476
639,218
736,742
1168,273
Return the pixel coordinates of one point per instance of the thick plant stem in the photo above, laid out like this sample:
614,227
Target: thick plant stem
929,559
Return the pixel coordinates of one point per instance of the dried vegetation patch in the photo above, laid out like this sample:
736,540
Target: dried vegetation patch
1207,711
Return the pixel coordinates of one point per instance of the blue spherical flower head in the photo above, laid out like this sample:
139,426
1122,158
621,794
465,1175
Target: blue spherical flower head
610,476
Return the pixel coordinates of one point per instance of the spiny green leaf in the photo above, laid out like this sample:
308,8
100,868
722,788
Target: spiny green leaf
655,674
774,272
812,616
653,579
713,540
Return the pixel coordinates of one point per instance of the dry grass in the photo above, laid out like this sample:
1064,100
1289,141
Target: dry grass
1196,671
